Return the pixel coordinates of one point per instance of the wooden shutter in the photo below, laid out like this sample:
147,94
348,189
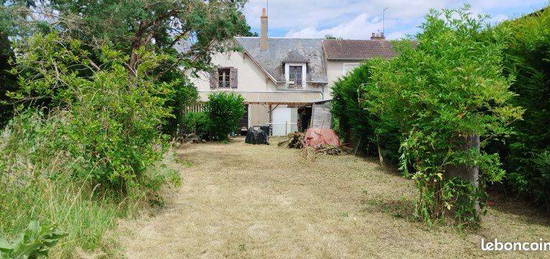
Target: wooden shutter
214,78
233,77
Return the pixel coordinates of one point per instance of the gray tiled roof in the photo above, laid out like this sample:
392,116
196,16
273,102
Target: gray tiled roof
357,49
288,50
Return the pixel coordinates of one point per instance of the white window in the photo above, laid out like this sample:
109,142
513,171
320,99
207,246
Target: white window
348,67
295,75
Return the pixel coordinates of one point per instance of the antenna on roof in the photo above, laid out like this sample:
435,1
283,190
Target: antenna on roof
384,20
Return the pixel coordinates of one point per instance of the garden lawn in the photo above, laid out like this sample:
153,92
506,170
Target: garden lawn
241,200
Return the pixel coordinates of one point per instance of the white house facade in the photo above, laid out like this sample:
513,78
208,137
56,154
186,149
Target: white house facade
282,79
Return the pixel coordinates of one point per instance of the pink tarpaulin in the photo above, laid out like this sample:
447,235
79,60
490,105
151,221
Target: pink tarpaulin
317,137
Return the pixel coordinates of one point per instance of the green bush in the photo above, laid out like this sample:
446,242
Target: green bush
446,88
353,121
183,95
115,126
224,111
113,119
93,154
527,57
197,123
8,81
355,124
37,183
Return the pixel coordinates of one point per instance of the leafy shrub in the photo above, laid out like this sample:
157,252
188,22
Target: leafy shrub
92,154
447,88
353,120
37,183
7,81
183,95
526,57
197,123
34,242
224,111
113,119
541,180
355,123
115,127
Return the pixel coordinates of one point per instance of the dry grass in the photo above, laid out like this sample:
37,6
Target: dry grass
240,200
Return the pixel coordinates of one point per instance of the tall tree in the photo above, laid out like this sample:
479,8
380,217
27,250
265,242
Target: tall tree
12,19
202,26
196,28
7,81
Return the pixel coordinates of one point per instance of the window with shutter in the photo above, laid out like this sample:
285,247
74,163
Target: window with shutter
224,77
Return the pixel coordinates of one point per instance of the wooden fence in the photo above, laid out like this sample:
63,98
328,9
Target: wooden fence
199,107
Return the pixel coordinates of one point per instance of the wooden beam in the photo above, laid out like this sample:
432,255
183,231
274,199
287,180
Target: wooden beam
283,103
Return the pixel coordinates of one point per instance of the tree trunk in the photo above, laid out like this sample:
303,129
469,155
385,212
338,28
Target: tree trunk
380,157
467,173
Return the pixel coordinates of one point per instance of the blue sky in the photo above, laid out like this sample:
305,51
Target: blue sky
357,19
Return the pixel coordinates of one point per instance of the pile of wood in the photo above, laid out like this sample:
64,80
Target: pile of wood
309,154
294,140
328,150
312,153
297,140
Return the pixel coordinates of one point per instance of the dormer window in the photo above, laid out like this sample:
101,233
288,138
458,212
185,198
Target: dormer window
295,74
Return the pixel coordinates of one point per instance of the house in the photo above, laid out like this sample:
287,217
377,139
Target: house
286,81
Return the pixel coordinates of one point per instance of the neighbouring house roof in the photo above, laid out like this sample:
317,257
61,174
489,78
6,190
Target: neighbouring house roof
287,50
357,50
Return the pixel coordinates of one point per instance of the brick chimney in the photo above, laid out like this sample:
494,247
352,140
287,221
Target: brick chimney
264,44
377,36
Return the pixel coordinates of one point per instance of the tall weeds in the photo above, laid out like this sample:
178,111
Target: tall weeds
37,183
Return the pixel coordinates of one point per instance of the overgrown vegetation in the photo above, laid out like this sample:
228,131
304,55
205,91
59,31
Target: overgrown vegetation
99,88
221,117
111,120
197,123
35,242
224,111
355,124
37,183
440,94
526,154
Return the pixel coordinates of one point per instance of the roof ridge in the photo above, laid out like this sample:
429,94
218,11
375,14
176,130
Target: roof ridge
281,38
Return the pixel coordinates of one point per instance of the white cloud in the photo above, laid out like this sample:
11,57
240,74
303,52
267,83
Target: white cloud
360,27
357,19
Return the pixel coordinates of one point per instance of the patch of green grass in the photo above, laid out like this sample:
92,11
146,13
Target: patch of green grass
185,163
84,211
180,160
70,206
242,247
